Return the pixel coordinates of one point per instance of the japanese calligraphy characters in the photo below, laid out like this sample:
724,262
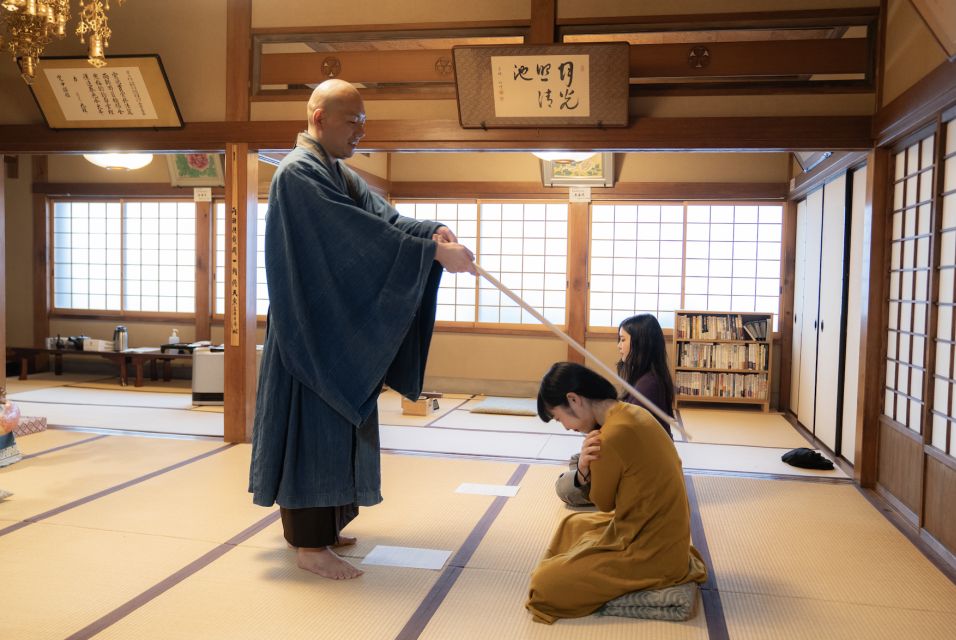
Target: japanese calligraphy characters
548,86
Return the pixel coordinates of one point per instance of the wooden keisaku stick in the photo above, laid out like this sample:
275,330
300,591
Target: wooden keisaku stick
647,404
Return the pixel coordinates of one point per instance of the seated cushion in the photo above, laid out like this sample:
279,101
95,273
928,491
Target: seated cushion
671,603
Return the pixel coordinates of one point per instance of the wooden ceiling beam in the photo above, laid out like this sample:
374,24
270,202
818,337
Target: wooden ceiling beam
746,20
543,14
725,59
800,133
756,58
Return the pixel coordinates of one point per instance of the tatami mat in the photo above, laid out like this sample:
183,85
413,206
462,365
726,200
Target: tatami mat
209,408
104,397
791,559
390,409
561,448
741,459
48,379
48,439
758,617
521,532
708,457
462,419
59,477
814,541
490,604
177,385
420,507
752,428
173,421
438,440
253,594
57,579
211,487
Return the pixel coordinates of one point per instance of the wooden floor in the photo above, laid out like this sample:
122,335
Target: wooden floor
126,536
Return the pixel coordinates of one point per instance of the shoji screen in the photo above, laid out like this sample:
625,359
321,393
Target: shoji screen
944,402
910,264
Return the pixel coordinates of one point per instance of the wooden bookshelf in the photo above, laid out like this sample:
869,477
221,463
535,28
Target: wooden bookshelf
722,357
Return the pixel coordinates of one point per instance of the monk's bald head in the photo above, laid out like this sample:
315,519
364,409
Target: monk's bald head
330,94
336,117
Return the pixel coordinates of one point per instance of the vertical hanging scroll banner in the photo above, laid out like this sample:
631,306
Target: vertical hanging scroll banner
234,276
567,85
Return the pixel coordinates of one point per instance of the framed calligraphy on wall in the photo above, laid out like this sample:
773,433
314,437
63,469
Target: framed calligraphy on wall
129,92
563,85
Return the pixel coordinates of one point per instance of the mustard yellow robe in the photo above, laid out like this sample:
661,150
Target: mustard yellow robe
641,537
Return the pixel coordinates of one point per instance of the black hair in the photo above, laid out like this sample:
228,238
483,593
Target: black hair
568,377
647,353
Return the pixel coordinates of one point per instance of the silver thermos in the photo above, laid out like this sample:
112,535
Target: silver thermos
120,338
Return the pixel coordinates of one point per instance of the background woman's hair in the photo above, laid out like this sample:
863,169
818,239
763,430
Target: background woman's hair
567,377
648,353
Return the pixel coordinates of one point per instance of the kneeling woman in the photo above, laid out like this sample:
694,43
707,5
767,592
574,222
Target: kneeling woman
640,539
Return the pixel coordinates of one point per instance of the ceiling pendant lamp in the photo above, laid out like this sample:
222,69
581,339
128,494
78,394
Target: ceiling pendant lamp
564,157
120,161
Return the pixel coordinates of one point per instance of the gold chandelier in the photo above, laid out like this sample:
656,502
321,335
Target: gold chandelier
29,25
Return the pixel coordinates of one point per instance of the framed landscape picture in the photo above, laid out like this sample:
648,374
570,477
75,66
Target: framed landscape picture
195,170
596,171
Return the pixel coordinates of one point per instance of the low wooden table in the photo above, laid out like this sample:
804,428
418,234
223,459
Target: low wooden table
139,358
122,359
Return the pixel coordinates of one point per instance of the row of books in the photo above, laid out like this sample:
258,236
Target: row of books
730,326
723,356
722,385
756,329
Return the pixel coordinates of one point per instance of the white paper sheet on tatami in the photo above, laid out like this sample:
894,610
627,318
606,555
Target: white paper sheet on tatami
408,557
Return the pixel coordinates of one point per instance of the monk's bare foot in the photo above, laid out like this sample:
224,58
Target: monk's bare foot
344,541
324,562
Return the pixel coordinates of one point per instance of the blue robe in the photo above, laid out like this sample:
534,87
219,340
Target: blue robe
352,291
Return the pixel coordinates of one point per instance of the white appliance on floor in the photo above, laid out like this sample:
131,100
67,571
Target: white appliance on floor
209,375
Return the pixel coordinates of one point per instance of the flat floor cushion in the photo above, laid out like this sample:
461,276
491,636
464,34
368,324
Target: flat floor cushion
675,603
509,406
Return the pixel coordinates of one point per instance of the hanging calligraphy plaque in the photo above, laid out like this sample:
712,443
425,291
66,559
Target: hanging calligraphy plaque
566,85
129,92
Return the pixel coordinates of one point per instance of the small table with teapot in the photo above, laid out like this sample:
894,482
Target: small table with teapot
135,357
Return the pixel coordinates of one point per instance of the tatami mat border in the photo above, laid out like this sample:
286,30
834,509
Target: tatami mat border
102,404
109,431
105,492
168,583
757,475
520,433
64,446
710,595
419,620
458,406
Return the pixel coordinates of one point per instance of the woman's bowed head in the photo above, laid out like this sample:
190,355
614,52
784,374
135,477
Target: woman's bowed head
575,396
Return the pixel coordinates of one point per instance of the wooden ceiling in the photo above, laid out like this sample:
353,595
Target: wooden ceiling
776,52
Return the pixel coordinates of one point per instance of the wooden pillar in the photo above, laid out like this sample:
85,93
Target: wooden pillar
238,58
872,319
240,339
787,277
41,255
578,235
3,279
205,255
543,15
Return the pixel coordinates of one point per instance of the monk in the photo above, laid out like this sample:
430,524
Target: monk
640,538
352,290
